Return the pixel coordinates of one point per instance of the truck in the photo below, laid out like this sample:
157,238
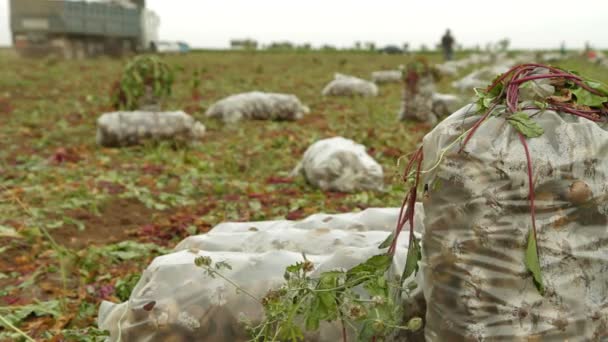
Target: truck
79,29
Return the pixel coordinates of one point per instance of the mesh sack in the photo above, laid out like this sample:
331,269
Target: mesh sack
386,76
176,300
339,164
477,220
417,102
258,106
344,85
131,128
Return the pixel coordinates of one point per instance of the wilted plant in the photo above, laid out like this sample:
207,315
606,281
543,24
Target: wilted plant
145,82
304,301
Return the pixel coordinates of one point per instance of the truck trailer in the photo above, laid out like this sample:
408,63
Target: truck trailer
79,29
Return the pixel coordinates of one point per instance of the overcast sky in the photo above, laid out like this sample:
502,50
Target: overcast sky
528,23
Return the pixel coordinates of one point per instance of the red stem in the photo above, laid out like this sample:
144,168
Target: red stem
408,204
530,186
475,127
583,114
543,76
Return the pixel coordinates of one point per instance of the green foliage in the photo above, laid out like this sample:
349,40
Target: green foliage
586,98
16,314
360,298
90,334
525,125
93,259
139,73
532,262
485,99
124,286
414,254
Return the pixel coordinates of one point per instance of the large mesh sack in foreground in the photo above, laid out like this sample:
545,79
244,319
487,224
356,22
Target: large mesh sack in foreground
177,301
345,85
339,164
258,106
515,193
131,128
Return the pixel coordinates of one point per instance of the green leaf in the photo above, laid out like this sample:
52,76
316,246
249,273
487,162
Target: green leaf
387,242
6,231
541,105
411,262
378,264
313,317
328,281
16,314
525,125
597,85
584,97
532,263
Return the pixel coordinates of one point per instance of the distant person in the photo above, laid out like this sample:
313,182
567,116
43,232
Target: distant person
447,43
562,49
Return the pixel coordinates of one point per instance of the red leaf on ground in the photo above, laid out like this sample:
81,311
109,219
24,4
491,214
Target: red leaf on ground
296,214
64,155
111,187
11,300
392,152
5,107
152,169
279,180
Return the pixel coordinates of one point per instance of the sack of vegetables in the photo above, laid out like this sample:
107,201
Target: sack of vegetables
515,194
418,88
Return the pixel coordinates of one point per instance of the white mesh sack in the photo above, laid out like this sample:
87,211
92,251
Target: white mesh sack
339,164
386,76
479,78
445,104
477,220
449,68
258,106
178,301
130,128
344,85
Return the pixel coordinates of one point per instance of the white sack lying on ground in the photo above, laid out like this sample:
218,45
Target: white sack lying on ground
176,299
479,78
445,104
448,69
344,85
339,164
259,106
130,128
386,76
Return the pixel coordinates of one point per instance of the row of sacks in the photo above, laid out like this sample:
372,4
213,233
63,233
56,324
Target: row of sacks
474,264
177,301
483,76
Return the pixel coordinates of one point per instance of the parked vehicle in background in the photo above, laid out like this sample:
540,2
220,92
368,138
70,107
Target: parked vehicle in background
391,50
183,47
171,47
78,29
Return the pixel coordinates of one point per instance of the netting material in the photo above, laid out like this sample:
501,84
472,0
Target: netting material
189,305
258,106
340,164
477,220
130,128
386,76
344,85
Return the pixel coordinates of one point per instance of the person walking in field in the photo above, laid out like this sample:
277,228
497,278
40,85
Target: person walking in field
447,43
